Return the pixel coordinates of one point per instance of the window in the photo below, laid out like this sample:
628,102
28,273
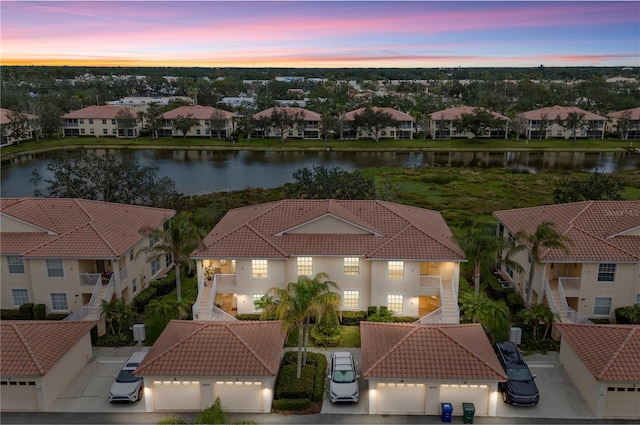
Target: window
606,272
351,266
113,131
153,239
20,296
396,269
92,131
351,299
104,121
169,260
131,255
305,266
254,298
602,306
500,229
16,265
82,131
90,120
59,301
395,303
54,268
105,131
134,285
113,121
637,299
259,269
155,266
81,121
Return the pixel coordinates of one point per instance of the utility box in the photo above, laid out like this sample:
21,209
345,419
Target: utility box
515,335
139,333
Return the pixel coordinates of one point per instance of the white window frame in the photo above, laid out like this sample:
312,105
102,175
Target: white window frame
351,299
53,302
304,266
153,239
637,299
131,255
168,260
255,297
351,266
58,272
259,269
23,298
595,301
134,285
15,263
395,299
607,270
155,266
395,270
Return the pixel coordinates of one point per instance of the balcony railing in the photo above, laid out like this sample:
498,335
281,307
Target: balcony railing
433,317
225,279
572,315
430,281
90,279
123,274
569,283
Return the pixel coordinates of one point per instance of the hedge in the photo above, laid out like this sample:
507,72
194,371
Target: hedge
291,404
56,316
289,386
39,312
249,316
318,385
371,310
26,311
164,285
353,318
10,314
625,314
143,298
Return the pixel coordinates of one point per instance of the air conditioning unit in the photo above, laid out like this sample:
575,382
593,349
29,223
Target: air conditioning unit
515,335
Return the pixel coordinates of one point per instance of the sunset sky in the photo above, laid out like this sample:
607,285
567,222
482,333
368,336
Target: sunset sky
324,34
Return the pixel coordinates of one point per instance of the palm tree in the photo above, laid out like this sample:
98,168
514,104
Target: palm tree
545,237
299,302
496,318
537,314
474,306
162,310
179,240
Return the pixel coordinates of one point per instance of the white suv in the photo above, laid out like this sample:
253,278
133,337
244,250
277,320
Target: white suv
128,387
343,381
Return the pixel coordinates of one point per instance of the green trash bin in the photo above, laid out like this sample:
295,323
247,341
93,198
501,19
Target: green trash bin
468,410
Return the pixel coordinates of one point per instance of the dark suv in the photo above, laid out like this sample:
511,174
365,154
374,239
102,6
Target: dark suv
520,389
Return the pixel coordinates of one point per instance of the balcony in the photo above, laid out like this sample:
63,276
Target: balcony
571,285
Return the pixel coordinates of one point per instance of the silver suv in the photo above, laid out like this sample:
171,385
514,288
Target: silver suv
128,387
343,381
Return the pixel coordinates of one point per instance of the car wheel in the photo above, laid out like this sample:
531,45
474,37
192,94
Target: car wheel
139,394
505,397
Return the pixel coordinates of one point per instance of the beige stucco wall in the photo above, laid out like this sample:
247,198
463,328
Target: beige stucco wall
583,380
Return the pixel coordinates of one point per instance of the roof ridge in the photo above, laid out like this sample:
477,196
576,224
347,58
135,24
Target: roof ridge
253,352
27,347
264,238
101,237
405,229
616,353
395,346
603,240
454,340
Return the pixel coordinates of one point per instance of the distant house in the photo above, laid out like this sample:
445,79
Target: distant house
9,136
552,122
141,103
193,363
404,130
212,122
70,254
633,127
306,127
102,121
412,368
442,124
38,359
600,270
379,253
603,361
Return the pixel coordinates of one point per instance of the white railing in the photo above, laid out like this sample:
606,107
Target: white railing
570,313
433,317
90,307
196,305
550,301
429,281
226,279
563,297
90,279
220,314
570,283
80,314
212,294
123,274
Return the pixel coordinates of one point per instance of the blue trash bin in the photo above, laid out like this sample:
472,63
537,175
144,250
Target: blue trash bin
447,411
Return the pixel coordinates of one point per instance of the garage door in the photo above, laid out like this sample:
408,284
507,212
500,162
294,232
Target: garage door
18,395
400,398
458,394
621,402
176,395
240,396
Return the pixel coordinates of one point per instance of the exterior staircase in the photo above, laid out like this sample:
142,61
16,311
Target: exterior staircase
449,304
555,298
204,308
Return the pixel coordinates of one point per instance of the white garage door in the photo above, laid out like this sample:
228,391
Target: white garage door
176,395
240,396
622,402
18,395
400,398
458,394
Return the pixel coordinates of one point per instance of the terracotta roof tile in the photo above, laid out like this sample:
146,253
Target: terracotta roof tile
4,116
610,352
395,231
307,114
634,113
454,113
96,111
555,112
596,230
197,111
413,351
397,115
77,228
191,348
33,347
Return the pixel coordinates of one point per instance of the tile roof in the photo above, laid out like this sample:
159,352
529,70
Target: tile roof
553,112
197,111
4,116
455,112
610,352
397,115
596,230
33,347
192,348
76,228
307,114
414,351
634,113
384,231
97,111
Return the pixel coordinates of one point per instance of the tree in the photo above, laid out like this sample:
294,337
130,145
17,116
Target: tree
477,123
518,125
544,237
118,315
184,124
329,124
623,124
374,120
538,315
152,119
217,123
333,183
599,186
18,125
178,241
126,123
162,310
574,123
284,119
88,175
543,125
474,306
483,248
301,301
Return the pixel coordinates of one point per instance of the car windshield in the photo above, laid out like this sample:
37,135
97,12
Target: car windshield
125,376
520,374
343,376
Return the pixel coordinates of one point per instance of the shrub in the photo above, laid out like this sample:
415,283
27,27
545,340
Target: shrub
39,312
56,316
26,311
249,316
213,414
172,420
164,285
10,314
143,298
291,404
627,314
327,332
353,318
403,319
318,385
371,310
514,302
383,315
